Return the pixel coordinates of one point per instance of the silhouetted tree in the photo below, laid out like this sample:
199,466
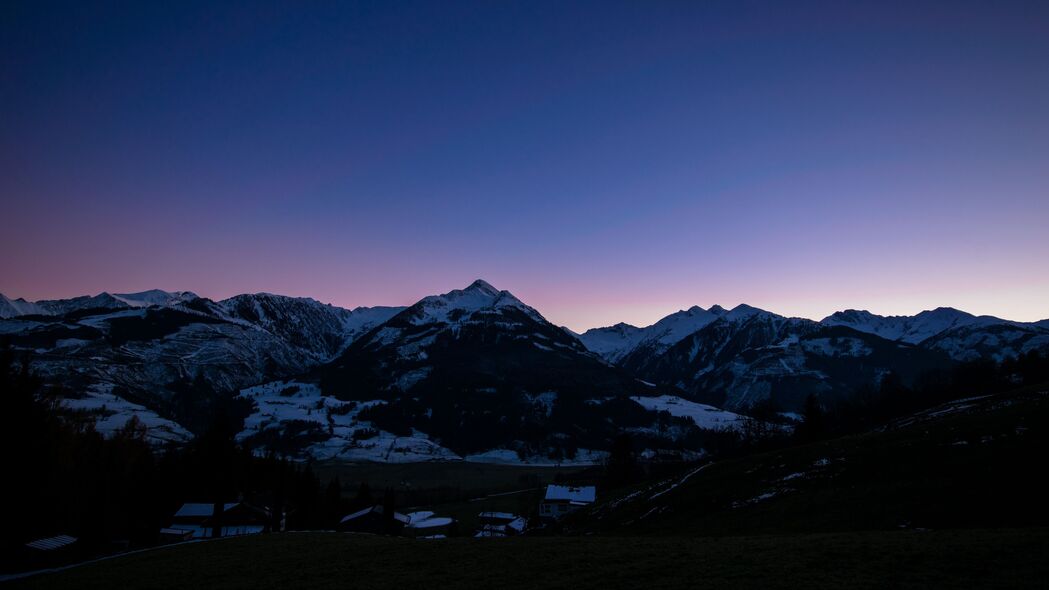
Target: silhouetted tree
622,463
332,502
813,425
364,498
389,506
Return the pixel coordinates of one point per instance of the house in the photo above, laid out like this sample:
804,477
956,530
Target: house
561,500
425,525
238,518
373,519
169,535
48,552
56,543
500,524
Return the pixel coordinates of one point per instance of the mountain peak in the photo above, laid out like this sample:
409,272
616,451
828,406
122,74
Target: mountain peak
482,286
477,296
717,309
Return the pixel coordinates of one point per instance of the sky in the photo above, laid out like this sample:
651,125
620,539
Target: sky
605,161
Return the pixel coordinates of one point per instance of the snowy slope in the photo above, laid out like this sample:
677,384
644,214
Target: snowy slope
911,329
295,418
10,308
615,342
160,347
155,297
110,413
705,416
479,370
461,304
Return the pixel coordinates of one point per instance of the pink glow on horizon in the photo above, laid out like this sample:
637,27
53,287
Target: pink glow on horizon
609,166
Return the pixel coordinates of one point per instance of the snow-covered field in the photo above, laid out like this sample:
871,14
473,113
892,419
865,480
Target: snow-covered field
704,416
280,404
510,457
111,413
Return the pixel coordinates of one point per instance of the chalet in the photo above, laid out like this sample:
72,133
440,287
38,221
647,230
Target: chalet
169,535
374,520
56,543
500,524
425,525
561,500
238,518
49,552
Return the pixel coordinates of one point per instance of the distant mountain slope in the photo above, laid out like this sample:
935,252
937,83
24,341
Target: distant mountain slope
616,342
967,463
477,369
472,371
10,308
170,351
740,357
910,329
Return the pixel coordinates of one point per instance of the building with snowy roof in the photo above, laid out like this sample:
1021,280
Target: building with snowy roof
427,525
500,524
374,520
561,500
238,518
47,552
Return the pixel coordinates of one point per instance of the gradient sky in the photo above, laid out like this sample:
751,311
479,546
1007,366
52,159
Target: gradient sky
604,161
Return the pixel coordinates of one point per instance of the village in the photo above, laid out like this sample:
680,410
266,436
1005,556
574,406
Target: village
198,521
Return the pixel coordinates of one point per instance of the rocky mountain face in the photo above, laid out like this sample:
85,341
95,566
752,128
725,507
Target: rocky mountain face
473,373
173,352
744,356
477,369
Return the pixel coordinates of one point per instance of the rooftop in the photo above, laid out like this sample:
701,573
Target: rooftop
584,494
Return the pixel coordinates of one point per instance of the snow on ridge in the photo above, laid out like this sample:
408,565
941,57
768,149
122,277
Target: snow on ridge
478,296
154,297
913,329
10,308
344,436
706,417
111,414
510,457
616,342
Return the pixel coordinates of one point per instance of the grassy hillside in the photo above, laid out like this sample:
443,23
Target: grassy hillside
949,497
972,463
898,559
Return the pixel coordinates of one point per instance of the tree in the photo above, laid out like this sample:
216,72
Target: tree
332,502
622,463
813,423
389,506
363,499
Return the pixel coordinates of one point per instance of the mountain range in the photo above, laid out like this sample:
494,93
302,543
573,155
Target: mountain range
473,373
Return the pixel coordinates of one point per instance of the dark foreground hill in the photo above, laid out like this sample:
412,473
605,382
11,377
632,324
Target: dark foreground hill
971,463
948,497
886,559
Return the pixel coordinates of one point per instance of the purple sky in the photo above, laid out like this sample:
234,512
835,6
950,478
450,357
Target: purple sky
604,161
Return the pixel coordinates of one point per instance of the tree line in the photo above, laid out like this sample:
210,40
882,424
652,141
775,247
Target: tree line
117,491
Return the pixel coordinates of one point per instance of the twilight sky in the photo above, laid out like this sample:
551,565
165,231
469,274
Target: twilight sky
603,161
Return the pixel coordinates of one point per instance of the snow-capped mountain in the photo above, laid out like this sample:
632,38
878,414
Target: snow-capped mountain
910,329
171,351
10,308
961,335
20,307
477,369
739,357
474,372
621,340
613,342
